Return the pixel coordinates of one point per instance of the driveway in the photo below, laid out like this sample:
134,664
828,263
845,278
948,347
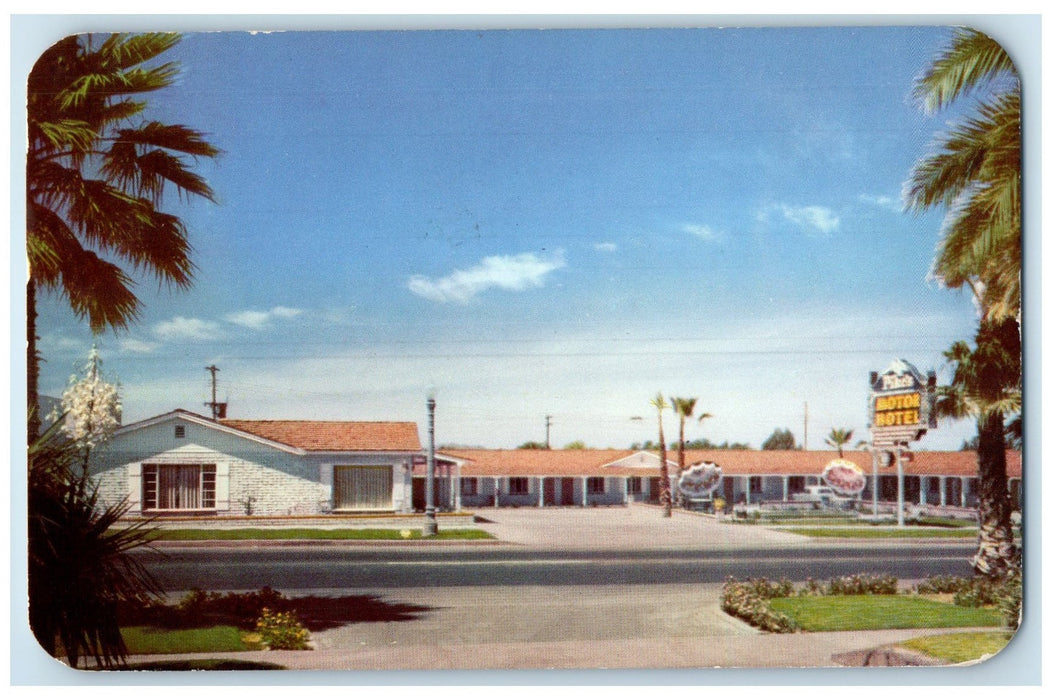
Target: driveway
622,527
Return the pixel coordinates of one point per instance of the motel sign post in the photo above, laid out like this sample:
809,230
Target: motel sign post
900,412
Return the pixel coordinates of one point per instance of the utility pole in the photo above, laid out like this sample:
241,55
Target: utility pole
547,432
805,426
430,524
213,405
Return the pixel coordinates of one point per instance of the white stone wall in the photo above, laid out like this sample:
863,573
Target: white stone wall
251,477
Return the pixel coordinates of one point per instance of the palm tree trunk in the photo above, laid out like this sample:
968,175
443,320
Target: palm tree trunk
996,555
682,456
32,364
666,493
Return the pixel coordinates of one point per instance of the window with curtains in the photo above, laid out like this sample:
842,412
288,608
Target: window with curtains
178,486
635,484
469,486
596,484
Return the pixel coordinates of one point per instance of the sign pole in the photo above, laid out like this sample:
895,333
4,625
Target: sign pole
898,464
876,478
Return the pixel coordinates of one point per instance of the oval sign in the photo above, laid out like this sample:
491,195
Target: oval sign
699,480
844,477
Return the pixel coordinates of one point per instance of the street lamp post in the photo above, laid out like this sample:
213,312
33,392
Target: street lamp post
430,524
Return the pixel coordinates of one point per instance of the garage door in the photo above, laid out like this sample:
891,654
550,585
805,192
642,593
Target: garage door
362,488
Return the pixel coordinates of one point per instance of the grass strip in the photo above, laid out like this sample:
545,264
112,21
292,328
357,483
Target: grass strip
193,534
870,532
154,640
880,612
958,647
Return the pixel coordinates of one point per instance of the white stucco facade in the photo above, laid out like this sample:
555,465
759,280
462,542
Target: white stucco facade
252,475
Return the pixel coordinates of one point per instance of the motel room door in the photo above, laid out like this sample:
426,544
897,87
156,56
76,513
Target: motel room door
564,496
362,488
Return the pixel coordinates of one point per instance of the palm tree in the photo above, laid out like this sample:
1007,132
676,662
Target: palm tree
96,173
975,172
80,567
986,387
660,404
838,437
684,408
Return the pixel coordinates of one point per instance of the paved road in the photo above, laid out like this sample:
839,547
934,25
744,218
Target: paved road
560,547
567,588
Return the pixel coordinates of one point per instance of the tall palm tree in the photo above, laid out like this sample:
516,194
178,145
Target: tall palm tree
986,387
684,408
975,172
96,174
838,437
661,405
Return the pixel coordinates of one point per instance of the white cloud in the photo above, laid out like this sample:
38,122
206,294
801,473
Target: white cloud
606,247
705,233
881,200
138,346
257,320
510,272
813,219
180,328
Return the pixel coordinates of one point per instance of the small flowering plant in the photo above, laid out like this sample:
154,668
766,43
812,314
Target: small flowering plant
281,630
92,406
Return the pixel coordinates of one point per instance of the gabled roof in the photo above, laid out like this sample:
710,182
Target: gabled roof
300,436
334,436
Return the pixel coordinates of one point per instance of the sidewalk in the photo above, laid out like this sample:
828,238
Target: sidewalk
753,651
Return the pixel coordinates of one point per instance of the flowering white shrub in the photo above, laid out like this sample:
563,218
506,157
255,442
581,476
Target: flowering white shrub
92,406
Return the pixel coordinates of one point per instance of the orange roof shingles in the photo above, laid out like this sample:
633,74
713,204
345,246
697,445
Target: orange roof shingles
334,436
733,462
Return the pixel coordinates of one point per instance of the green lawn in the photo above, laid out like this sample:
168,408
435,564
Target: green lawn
153,640
958,647
870,532
189,534
876,612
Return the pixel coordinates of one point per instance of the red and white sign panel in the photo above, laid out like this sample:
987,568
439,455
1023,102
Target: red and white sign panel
844,477
699,480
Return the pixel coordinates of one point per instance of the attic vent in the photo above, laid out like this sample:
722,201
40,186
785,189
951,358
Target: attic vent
180,431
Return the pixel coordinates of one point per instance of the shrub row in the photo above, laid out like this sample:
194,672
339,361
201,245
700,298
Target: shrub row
977,591
748,601
266,611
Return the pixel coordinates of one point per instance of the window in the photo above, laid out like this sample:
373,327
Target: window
469,486
179,487
635,484
596,484
756,483
180,431
518,486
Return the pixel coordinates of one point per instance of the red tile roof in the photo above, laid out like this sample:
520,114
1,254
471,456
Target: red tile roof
334,436
733,462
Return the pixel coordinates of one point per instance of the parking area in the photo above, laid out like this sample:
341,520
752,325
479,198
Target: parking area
620,527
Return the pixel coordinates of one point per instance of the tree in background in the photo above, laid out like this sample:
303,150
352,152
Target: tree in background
96,174
661,405
684,408
838,437
975,173
780,440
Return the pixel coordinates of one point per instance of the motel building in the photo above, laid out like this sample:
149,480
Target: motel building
466,479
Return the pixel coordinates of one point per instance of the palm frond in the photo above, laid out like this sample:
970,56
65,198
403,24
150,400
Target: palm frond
972,59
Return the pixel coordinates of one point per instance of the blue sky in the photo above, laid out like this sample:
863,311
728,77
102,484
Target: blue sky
533,223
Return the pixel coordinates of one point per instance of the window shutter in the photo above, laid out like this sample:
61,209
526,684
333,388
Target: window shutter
222,486
135,488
